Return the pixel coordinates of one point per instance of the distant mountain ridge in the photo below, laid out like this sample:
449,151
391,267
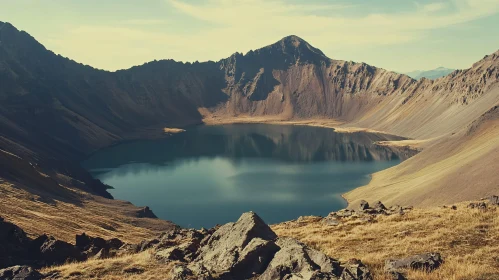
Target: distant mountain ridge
430,74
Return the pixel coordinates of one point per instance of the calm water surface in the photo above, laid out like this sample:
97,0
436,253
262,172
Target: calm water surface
211,174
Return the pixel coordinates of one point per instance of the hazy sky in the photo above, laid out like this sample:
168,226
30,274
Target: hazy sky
401,35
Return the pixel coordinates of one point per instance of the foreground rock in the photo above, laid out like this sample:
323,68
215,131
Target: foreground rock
249,249
16,248
20,273
295,260
426,262
240,248
246,249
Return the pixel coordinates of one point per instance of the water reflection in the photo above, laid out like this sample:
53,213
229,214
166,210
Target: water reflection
211,174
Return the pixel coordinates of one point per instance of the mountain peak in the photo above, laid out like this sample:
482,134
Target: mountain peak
293,49
292,40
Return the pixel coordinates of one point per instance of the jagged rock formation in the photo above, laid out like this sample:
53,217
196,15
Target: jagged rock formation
20,273
18,249
246,249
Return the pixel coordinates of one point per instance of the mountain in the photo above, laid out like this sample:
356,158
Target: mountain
430,74
54,112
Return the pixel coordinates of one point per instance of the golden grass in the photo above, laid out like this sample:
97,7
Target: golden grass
455,168
114,268
94,215
468,239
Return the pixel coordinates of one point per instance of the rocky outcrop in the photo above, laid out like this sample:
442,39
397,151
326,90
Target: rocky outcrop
146,212
239,248
296,260
20,273
18,249
426,262
14,244
248,249
364,212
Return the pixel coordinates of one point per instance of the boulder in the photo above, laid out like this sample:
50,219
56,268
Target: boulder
146,244
477,205
364,205
296,260
180,272
20,273
58,252
114,244
330,221
355,270
236,248
14,245
379,206
494,200
85,242
427,262
170,254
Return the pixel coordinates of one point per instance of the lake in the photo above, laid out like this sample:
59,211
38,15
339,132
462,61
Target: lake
209,175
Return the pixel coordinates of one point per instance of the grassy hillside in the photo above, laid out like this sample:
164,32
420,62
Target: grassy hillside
466,238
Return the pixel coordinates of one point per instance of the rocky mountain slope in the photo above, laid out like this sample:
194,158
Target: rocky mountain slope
54,112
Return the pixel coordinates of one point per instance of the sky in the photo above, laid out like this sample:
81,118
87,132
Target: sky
398,35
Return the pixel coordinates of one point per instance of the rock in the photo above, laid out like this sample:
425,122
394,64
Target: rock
477,205
453,207
254,258
14,245
234,244
92,246
200,271
363,205
330,221
180,272
344,213
355,270
146,212
294,259
379,206
83,241
427,262
494,200
170,254
395,275
20,273
114,243
58,252
146,244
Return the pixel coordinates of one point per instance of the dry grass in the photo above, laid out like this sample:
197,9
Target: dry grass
94,215
468,239
455,168
147,268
